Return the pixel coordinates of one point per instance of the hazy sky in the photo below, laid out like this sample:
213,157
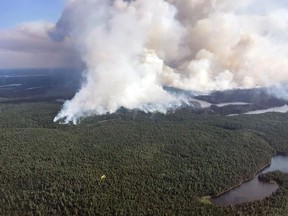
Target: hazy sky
13,12
24,24
24,42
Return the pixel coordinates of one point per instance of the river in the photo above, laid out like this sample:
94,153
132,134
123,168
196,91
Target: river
282,109
253,189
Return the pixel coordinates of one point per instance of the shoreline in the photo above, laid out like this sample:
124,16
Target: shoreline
250,178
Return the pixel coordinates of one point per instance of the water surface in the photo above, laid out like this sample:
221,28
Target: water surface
233,103
253,189
282,109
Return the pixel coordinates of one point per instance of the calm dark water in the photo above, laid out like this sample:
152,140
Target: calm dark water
254,189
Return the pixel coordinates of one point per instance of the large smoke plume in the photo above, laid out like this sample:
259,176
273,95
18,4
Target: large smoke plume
132,49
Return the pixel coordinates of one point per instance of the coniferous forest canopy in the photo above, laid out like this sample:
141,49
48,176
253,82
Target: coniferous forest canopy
83,84
131,163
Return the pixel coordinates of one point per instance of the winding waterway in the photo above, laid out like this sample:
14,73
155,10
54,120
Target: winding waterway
253,189
282,109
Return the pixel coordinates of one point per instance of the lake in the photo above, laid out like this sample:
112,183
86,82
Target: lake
253,189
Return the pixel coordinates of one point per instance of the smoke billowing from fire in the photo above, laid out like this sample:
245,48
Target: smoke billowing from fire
132,49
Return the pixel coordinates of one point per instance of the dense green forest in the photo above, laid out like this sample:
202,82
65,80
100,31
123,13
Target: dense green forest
132,163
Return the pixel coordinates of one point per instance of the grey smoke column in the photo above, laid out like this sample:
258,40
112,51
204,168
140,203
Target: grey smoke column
133,48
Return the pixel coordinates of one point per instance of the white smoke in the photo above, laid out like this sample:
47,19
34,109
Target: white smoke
133,48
